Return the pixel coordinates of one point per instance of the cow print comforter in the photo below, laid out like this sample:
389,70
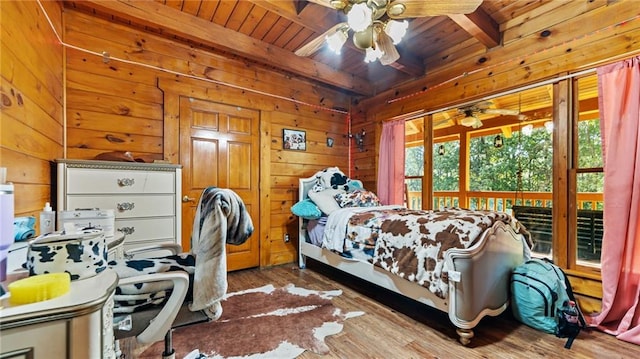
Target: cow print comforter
412,243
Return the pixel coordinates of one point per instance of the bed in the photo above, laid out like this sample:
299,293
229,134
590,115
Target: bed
474,281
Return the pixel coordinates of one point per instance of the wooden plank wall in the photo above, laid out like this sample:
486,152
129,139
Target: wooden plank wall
118,106
31,77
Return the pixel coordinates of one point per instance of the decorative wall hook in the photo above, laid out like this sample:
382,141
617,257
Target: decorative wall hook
359,137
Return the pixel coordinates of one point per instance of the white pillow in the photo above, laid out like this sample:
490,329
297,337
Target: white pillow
325,200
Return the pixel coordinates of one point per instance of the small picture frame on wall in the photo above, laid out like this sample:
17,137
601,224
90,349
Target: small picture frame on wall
294,140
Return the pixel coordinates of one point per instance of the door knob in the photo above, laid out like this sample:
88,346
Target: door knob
188,199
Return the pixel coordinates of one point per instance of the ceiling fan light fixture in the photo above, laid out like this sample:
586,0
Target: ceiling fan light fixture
364,39
338,4
372,54
396,9
336,40
360,17
396,30
470,121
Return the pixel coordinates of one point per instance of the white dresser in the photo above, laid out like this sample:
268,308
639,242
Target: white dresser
146,197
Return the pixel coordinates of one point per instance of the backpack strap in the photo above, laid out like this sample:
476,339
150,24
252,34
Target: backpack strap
567,284
583,322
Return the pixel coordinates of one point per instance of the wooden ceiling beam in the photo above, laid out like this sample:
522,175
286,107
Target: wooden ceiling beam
306,18
300,5
192,28
409,63
479,25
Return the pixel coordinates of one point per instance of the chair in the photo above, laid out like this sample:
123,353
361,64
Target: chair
156,295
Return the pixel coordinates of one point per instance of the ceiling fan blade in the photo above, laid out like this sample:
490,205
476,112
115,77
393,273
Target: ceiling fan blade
484,104
390,53
422,8
500,111
338,5
442,122
314,45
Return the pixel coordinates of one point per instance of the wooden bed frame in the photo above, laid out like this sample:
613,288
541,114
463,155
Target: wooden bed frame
478,283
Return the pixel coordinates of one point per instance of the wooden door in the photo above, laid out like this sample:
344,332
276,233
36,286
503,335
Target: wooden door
219,146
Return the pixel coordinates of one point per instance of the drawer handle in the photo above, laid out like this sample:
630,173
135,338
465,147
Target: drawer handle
127,230
126,206
126,182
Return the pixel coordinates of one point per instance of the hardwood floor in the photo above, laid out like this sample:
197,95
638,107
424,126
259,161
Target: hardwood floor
396,327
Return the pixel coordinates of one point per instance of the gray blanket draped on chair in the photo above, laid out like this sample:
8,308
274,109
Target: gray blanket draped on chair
221,217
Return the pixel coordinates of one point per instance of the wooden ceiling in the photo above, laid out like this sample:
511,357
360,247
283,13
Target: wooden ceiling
269,31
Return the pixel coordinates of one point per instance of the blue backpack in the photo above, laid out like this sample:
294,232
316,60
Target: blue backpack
540,291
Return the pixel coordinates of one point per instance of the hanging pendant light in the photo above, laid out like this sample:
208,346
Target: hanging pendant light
441,150
497,141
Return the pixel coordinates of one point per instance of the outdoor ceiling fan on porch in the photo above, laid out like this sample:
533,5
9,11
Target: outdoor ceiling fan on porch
469,115
376,24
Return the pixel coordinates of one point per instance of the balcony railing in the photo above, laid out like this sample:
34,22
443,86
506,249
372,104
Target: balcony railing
500,201
589,231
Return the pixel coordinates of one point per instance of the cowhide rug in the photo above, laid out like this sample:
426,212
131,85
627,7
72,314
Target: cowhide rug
265,322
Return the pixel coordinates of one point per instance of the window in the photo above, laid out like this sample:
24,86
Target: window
446,173
588,176
414,162
550,162
413,172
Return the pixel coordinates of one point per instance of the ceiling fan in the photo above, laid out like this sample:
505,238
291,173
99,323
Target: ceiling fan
469,115
376,26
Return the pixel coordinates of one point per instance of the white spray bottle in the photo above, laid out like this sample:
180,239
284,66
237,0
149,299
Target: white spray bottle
47,219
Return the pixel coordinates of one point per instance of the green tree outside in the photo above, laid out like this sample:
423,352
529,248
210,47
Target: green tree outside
496,169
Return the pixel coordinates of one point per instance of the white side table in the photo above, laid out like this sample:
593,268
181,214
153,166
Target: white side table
76,325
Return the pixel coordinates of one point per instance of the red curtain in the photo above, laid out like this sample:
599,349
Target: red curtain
619,96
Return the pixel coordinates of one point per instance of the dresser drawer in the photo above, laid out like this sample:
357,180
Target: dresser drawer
89,180
146,229
127,206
